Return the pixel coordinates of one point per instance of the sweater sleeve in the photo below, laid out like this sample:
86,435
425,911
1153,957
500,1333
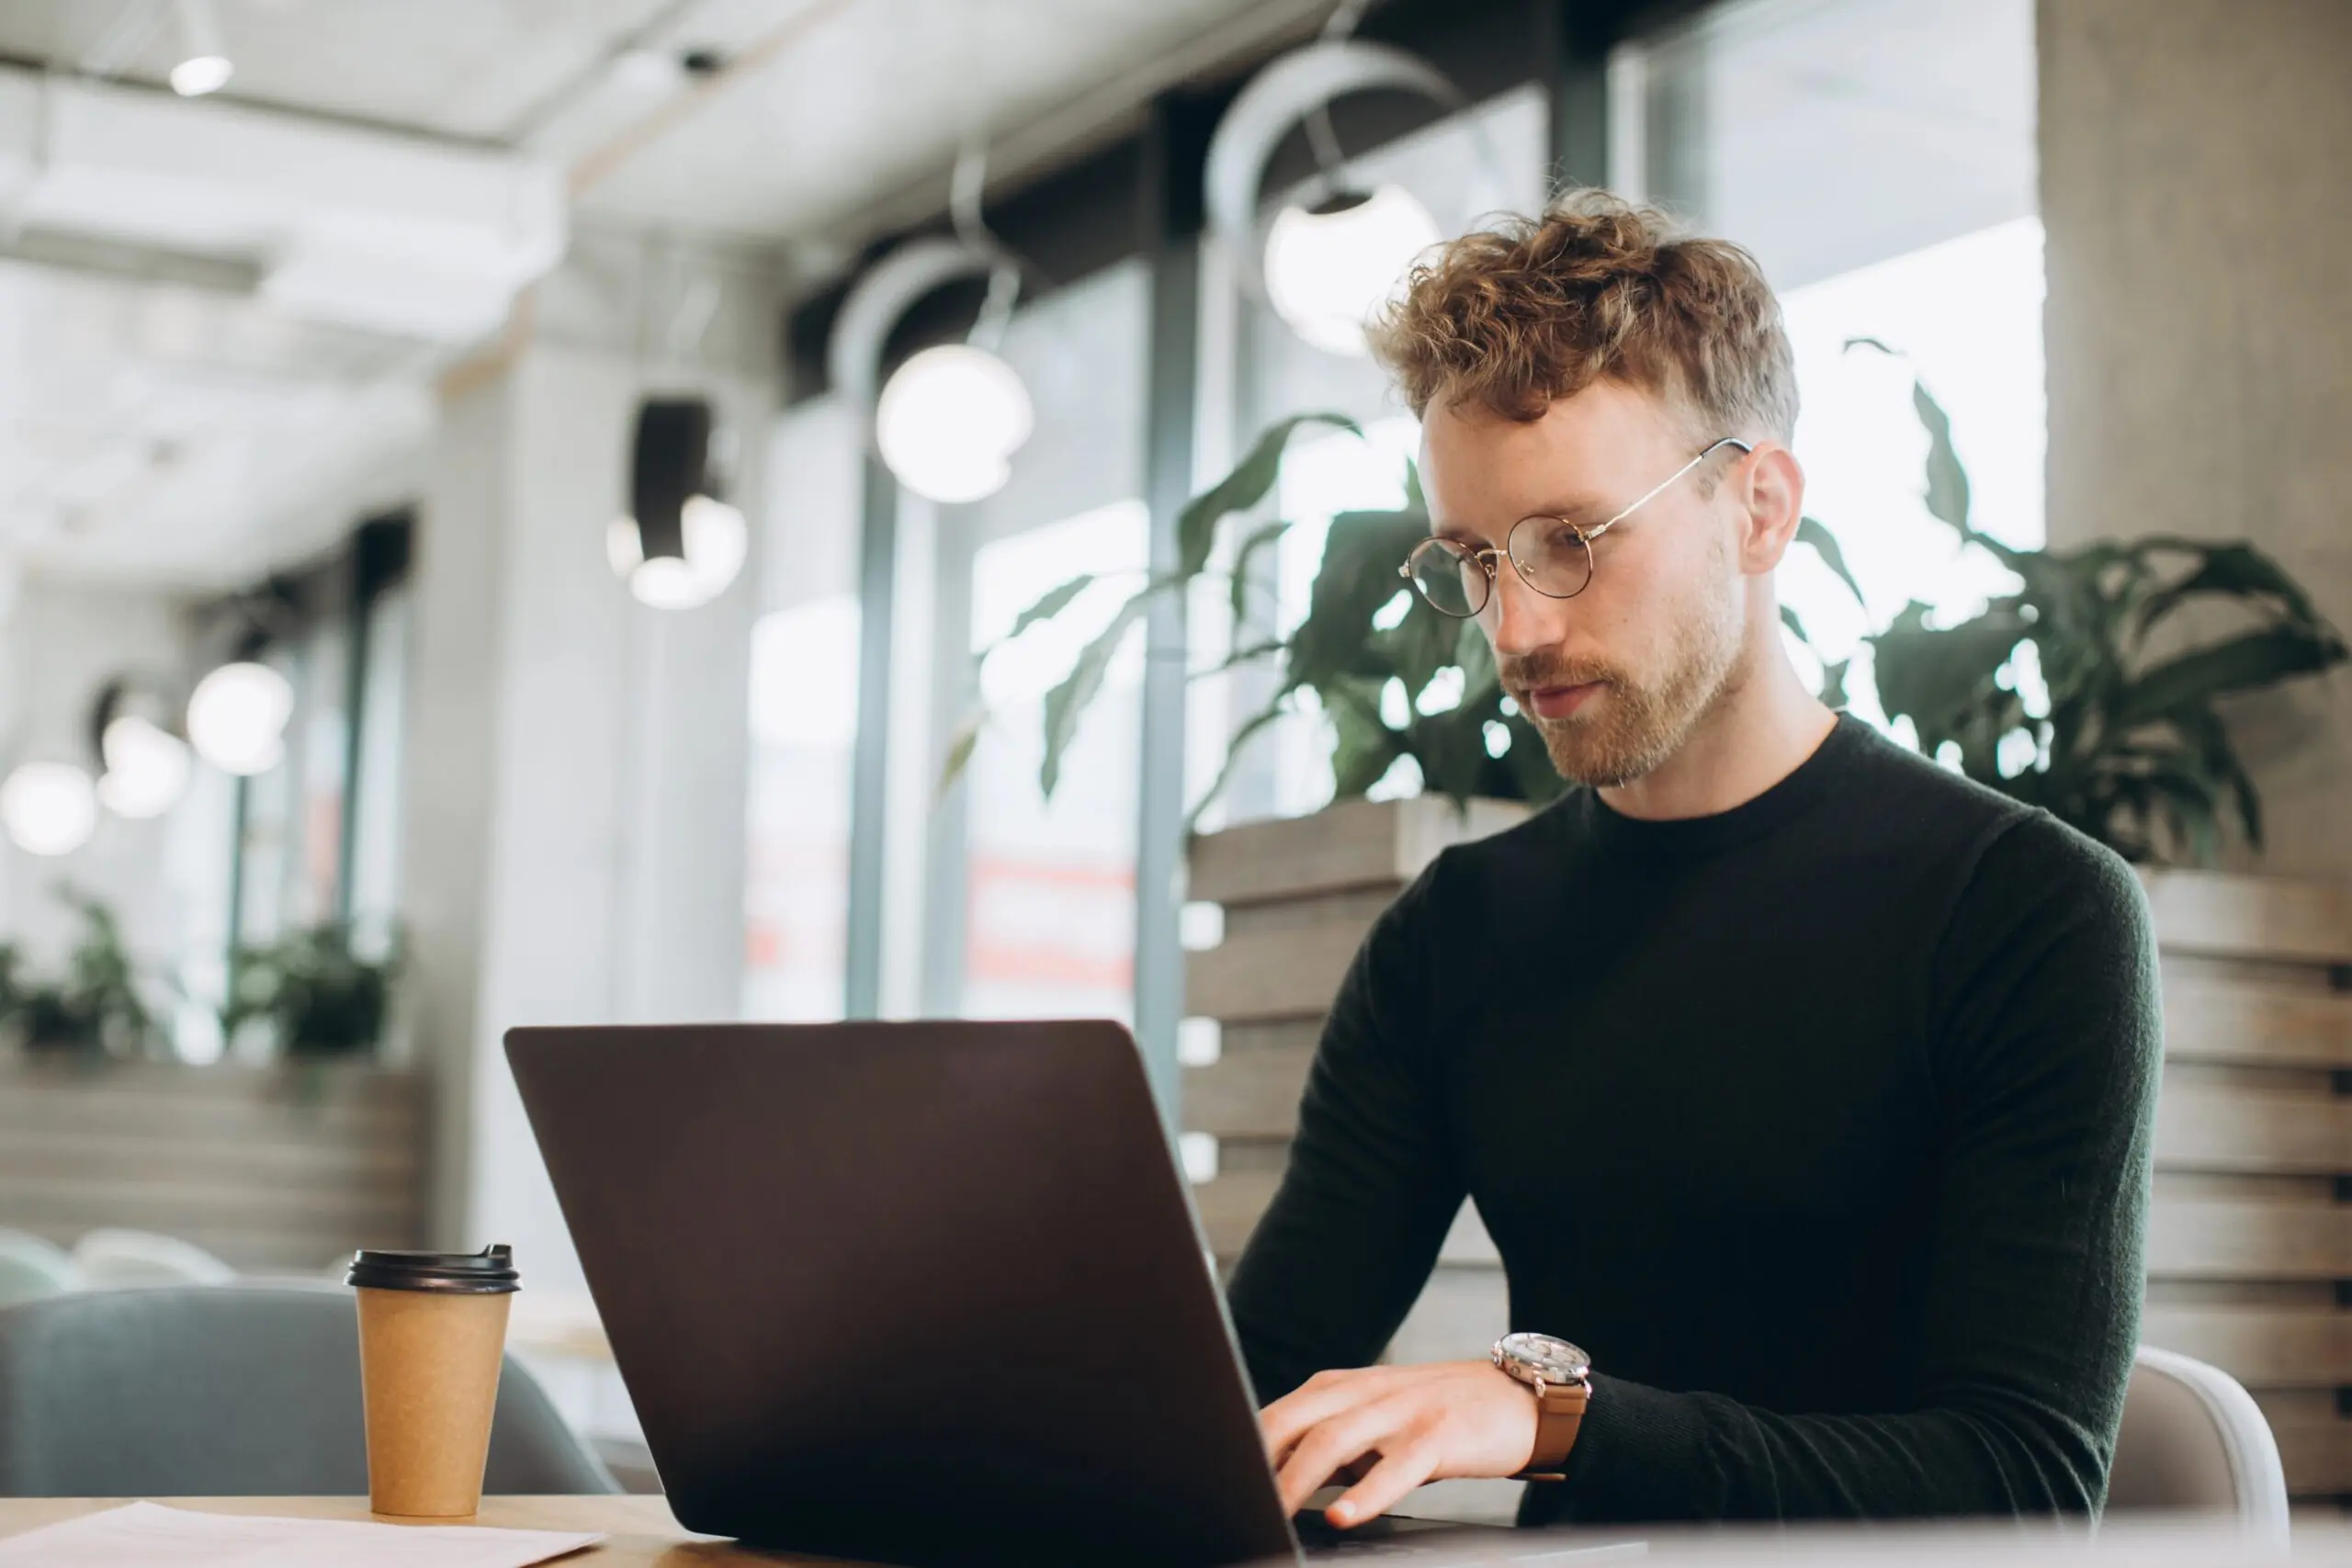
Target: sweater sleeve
2046,1042
1371,1184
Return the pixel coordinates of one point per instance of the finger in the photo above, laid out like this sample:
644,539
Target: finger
1287,1419
1334,1443
1385,1484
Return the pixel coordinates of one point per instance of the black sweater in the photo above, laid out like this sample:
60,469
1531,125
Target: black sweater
1822,1124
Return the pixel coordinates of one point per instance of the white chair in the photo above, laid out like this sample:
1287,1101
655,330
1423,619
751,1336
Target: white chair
128,1259
2193,1440
31,1268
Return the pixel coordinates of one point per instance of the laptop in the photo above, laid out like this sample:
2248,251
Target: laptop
921,1293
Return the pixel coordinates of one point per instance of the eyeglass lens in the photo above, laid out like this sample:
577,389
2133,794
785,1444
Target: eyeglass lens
1548,554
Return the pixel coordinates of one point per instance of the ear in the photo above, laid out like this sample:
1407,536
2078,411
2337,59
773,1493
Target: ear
1771,487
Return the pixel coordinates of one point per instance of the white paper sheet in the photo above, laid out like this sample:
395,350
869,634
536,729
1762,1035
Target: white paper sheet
148,1535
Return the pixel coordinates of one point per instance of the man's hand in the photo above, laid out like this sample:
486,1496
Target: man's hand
1390,1428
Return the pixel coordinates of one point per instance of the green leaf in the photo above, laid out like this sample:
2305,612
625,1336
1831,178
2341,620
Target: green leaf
1947,480
1361,555
1067,701
1239,656
1947,487
1243,488
2206,731
1259,538
960,747
2255,658
1240,737
1415,499
1833,683
1365,748
2237,571
1936,676
1053,604
1812,531
1789,620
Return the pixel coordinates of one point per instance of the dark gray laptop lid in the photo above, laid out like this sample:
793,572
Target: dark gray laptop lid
926,1294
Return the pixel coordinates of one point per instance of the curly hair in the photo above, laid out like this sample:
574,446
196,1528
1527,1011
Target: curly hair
1517,315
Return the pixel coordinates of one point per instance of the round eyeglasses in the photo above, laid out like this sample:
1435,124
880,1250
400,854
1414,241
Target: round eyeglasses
1551,554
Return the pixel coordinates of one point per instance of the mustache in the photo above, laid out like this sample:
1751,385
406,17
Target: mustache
1525,672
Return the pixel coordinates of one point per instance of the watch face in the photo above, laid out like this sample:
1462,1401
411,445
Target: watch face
1553,1360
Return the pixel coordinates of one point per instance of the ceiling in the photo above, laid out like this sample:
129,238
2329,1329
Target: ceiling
167,428
806,112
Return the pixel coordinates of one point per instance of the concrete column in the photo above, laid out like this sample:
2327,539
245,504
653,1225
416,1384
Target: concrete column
2199,332
577,762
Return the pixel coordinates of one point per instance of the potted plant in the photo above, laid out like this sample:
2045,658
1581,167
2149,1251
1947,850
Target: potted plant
96,1009
2124,742
278,1164
318,995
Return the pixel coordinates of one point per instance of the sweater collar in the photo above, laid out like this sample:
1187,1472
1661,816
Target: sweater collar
1812,781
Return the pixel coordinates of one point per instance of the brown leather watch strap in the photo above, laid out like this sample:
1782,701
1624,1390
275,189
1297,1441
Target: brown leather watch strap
1559,1411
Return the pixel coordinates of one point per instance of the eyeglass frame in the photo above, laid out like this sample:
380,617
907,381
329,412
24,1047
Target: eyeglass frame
1585,536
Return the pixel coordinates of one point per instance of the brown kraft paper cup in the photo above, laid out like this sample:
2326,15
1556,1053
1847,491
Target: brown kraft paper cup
432,1336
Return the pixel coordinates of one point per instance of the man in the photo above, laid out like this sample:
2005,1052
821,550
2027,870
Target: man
1803,1084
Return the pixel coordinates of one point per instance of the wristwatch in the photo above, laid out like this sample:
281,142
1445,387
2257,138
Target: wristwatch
1560,1376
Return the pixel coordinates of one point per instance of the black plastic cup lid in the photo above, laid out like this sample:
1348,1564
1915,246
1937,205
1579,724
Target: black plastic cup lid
490,1272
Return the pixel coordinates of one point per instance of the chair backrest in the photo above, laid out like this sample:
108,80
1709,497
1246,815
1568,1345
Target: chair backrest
222,1391
114,1259
2194,1440
31,1268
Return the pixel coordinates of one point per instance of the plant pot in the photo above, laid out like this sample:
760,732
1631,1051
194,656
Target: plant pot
275,1168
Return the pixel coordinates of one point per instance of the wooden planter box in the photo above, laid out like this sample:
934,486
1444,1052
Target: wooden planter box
278,1167
2250,1243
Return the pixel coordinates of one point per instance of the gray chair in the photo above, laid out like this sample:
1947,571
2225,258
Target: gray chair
224,1390
2194,1441
32,1268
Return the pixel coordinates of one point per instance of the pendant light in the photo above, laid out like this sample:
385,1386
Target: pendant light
49,808
678,547
236,717
143,767
204,65
949,421
1340,249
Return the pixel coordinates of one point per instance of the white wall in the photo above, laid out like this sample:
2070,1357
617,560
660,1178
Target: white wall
2200,330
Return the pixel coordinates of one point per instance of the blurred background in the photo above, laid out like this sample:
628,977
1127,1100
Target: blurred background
518,513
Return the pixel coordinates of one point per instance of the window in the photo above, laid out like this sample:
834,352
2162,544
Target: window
1494,155
1029,904
1049,890
1878,158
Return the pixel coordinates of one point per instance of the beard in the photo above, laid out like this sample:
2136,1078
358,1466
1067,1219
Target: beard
1631,727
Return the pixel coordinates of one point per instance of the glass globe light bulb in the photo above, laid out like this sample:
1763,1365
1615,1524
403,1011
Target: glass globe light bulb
1328,271
49,808
236,717
950,420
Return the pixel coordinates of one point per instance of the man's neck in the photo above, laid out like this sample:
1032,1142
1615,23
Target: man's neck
1755,736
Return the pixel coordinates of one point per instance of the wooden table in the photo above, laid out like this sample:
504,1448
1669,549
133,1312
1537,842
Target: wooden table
640,1533
639,1529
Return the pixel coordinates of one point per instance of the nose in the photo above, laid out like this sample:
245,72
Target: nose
1517,619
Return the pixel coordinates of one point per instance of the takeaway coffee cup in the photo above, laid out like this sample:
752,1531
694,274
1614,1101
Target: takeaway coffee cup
432,1333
